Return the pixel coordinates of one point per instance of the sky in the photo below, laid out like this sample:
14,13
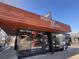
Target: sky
66,11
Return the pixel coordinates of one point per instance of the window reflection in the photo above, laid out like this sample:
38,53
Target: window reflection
32,43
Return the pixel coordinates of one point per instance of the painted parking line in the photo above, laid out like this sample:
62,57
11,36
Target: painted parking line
6,48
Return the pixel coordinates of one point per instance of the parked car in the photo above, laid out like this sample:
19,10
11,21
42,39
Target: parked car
59,42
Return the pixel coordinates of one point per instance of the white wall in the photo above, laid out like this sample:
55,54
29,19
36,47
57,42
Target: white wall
2,34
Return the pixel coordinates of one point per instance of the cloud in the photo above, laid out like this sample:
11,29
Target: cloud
11,2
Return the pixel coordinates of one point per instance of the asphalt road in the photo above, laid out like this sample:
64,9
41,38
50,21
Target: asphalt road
70,53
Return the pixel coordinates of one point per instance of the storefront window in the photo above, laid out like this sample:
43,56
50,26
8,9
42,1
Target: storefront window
32,43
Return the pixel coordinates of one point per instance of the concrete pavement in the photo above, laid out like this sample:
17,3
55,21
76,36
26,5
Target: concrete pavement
8,53
71,53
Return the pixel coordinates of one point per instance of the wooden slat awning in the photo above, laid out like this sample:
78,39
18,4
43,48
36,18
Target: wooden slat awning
12,18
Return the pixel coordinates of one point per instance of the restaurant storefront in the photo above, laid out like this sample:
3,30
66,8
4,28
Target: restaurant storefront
33,32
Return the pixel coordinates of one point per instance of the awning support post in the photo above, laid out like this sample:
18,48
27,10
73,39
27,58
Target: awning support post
51,49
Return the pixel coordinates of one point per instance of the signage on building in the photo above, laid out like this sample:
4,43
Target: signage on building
24,30
45,18
55,24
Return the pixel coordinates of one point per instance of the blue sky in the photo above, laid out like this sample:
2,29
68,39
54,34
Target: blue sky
66,11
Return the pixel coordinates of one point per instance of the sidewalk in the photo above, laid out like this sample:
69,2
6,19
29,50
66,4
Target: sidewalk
2,48
71,53
8,53
74,57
